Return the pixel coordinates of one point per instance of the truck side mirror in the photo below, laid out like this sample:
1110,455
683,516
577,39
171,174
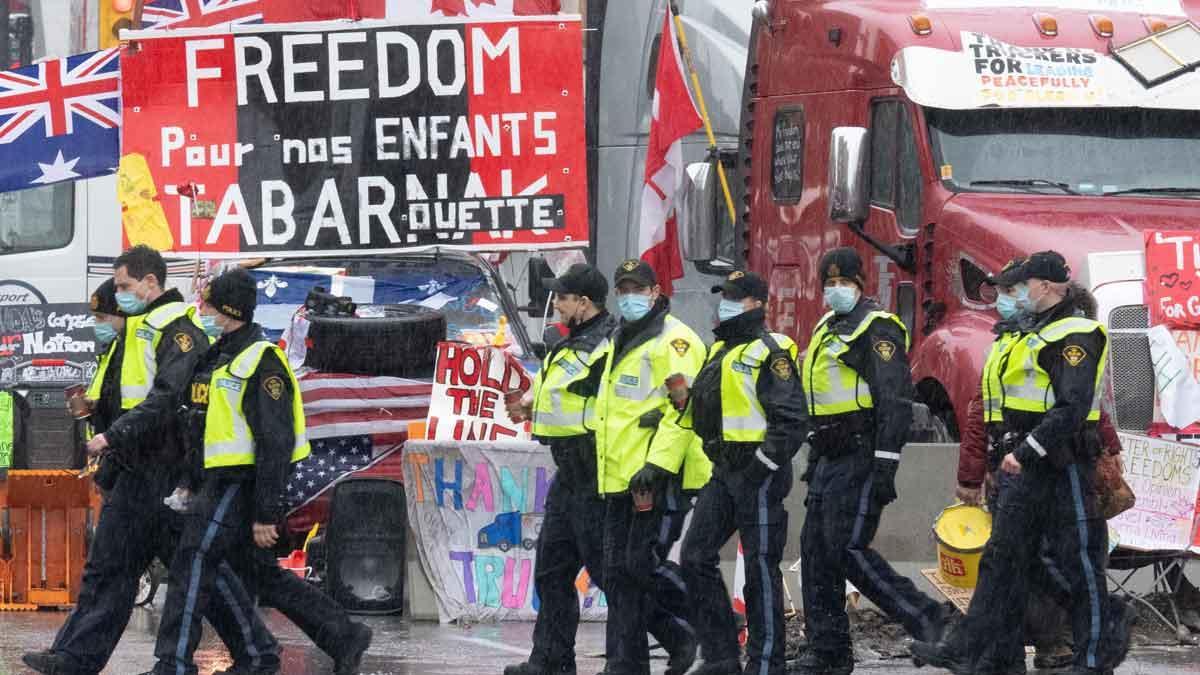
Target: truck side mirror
698,231
848,180
538,272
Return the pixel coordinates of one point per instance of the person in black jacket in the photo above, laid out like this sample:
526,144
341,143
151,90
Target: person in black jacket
747,406
859,390
146,371
245,424
567,541
1051,409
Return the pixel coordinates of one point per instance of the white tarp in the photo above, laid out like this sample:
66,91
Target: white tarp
1165,477
1178,391
988,72
1162,7
476,510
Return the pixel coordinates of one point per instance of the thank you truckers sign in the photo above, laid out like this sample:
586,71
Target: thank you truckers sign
355,137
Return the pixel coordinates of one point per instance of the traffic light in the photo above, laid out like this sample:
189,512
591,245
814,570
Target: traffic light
115,15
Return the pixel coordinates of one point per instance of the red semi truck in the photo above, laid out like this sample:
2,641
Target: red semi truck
943,138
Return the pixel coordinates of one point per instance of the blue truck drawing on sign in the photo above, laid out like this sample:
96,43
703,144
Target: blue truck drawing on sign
510,529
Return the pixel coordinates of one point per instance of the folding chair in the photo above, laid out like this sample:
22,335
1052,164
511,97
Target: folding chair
1168,569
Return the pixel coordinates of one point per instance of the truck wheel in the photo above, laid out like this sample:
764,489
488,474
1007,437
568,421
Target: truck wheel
504,546
528,544
402,343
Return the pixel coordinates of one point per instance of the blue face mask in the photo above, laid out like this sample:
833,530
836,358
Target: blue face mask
210,326
1006,305
130,303
633,306
105,333
728,309
841,299
1021,297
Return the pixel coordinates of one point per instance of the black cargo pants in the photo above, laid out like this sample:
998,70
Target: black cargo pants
729,503
134,528
645,590
1060,506
840,522
217,535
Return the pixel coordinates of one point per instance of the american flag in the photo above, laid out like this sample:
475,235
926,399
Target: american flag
356,424
59,120
200,13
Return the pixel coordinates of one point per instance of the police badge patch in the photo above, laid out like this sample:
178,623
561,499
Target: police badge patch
681,346
273,386
1074,355
630,265
782,368
886,349
184,341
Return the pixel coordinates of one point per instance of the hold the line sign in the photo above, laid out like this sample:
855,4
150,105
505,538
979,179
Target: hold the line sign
332,138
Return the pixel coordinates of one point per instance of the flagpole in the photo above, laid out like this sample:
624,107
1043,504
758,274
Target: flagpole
714,152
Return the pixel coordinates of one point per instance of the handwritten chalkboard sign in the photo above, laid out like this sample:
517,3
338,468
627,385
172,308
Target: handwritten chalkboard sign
787,175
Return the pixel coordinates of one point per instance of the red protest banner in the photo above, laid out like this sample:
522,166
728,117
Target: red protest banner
336,138
467,402
1173,278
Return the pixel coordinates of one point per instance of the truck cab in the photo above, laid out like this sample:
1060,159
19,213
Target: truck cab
942,138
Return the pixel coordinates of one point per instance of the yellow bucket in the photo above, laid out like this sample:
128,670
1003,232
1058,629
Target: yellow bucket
961,532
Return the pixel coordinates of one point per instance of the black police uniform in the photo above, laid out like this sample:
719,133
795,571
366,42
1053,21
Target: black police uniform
746,496
217,532
568,539
637,573
849,486
1054,498
134,525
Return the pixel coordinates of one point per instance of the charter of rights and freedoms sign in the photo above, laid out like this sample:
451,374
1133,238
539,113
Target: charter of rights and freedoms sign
476,509
1165,477
333,138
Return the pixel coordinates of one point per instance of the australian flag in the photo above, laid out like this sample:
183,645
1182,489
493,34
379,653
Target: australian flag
60,120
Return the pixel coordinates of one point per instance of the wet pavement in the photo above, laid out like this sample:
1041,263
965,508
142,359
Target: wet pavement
403,648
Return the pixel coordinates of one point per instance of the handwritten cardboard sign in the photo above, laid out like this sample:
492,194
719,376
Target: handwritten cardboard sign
1173,278
1165,476
467,403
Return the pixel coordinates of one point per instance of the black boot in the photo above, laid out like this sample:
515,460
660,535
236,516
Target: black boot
49,663
943,654
350,659
813,662
530,668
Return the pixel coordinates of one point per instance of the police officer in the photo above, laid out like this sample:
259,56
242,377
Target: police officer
748,407
156,343
567,541
641,448
859,390
246,425
1050,403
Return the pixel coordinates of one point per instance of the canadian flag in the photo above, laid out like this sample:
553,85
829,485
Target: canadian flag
674,116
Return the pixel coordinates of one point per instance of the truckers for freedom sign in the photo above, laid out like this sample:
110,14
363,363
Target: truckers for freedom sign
355,137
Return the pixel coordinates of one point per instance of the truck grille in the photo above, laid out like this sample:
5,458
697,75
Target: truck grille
1130,369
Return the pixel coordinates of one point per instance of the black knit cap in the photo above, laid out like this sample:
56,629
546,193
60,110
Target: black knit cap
843,262
104,299
739,285
234,294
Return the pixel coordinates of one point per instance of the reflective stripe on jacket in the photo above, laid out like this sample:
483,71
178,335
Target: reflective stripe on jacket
228,440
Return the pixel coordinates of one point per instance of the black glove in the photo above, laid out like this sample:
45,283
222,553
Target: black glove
813,457
884,477
757,471
649,477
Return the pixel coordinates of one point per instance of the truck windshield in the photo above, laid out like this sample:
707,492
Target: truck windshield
1069,150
